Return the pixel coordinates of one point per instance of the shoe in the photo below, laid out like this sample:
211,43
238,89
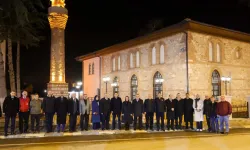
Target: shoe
6,134
226,133
221,132
200,130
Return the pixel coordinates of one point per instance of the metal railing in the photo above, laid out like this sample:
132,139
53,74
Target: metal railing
240,111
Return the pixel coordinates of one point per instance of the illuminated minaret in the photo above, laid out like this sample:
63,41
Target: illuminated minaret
58,16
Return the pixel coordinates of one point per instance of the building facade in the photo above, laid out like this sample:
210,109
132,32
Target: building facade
187,57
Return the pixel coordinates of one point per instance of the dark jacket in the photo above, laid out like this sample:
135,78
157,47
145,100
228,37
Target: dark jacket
160,105
11,106
105,106
61,106
179,111
211,112
0,111
170,104
127,111
96,118
207,104
149,105
48,105
116,105
71,106
137,107
188,109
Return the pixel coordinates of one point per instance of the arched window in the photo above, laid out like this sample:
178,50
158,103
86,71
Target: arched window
115,86
93,68
137,59
134,86
113,64
162,54
218,52
153,56
157,84
89,69
216,84
131,61
210,55
119,63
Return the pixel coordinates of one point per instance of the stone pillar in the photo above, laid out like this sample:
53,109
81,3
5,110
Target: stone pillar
248,100
229,99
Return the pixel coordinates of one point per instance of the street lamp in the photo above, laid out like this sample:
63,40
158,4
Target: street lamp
226,80
106,80
78,87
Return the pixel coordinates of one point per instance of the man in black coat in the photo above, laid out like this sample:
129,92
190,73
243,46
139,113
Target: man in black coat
179,112
105,111
137,106
116,108
188,111
207,103
171,107
10,108
160,106
61,108
48,107
73,110
149,109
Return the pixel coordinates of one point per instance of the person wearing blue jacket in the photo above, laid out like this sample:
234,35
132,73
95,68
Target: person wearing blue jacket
96,119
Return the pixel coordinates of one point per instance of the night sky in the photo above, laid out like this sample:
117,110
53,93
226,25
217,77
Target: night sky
96,24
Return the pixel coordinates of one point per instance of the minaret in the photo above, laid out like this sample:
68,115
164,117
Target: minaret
58,16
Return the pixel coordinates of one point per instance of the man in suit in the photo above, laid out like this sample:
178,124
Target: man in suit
188,111
137,106
10,108
73,109
160,109
116,109
84,109
149,109
105,111
207,103
61,108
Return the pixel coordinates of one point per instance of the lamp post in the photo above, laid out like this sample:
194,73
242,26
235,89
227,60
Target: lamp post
226,80
106,80
78,86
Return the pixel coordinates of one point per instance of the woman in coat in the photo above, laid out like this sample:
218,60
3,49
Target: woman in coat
127,112
96,113
198,112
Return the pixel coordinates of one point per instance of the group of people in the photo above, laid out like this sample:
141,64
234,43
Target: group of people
126,111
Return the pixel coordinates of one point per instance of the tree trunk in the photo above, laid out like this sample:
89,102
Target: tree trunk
2,77
18,70
10,65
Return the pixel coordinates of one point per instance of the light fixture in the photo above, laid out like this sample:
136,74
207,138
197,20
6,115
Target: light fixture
79,83
106,79
226,80
78,86
45,91
114,84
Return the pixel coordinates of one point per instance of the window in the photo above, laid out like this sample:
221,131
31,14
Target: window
238,53
153,56
218,52
113,64
93,68
119,63
137,59
162,54
216,86
115,86
134,87
131,61
157,84
210,51
89,69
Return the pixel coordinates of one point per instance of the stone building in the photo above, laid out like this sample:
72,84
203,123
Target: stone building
186,57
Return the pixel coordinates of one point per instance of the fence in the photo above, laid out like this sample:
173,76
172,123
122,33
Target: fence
240,110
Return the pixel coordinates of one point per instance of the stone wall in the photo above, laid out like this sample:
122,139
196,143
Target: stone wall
173,69
235,62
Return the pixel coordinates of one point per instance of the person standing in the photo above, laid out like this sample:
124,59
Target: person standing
127,112
213,116
224,110
10,109
160,109
24,112
48,107
96,113
179,112
149,109
84,112
171,106
105,111
137,106
73,110
116,108
35,111
207,104
61,109
198,112
188,111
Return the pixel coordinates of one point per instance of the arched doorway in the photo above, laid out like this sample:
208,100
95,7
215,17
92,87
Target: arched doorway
157,84
115,86
216,84
134,86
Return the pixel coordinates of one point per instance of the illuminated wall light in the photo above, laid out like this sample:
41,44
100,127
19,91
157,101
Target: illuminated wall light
53,78
60,78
